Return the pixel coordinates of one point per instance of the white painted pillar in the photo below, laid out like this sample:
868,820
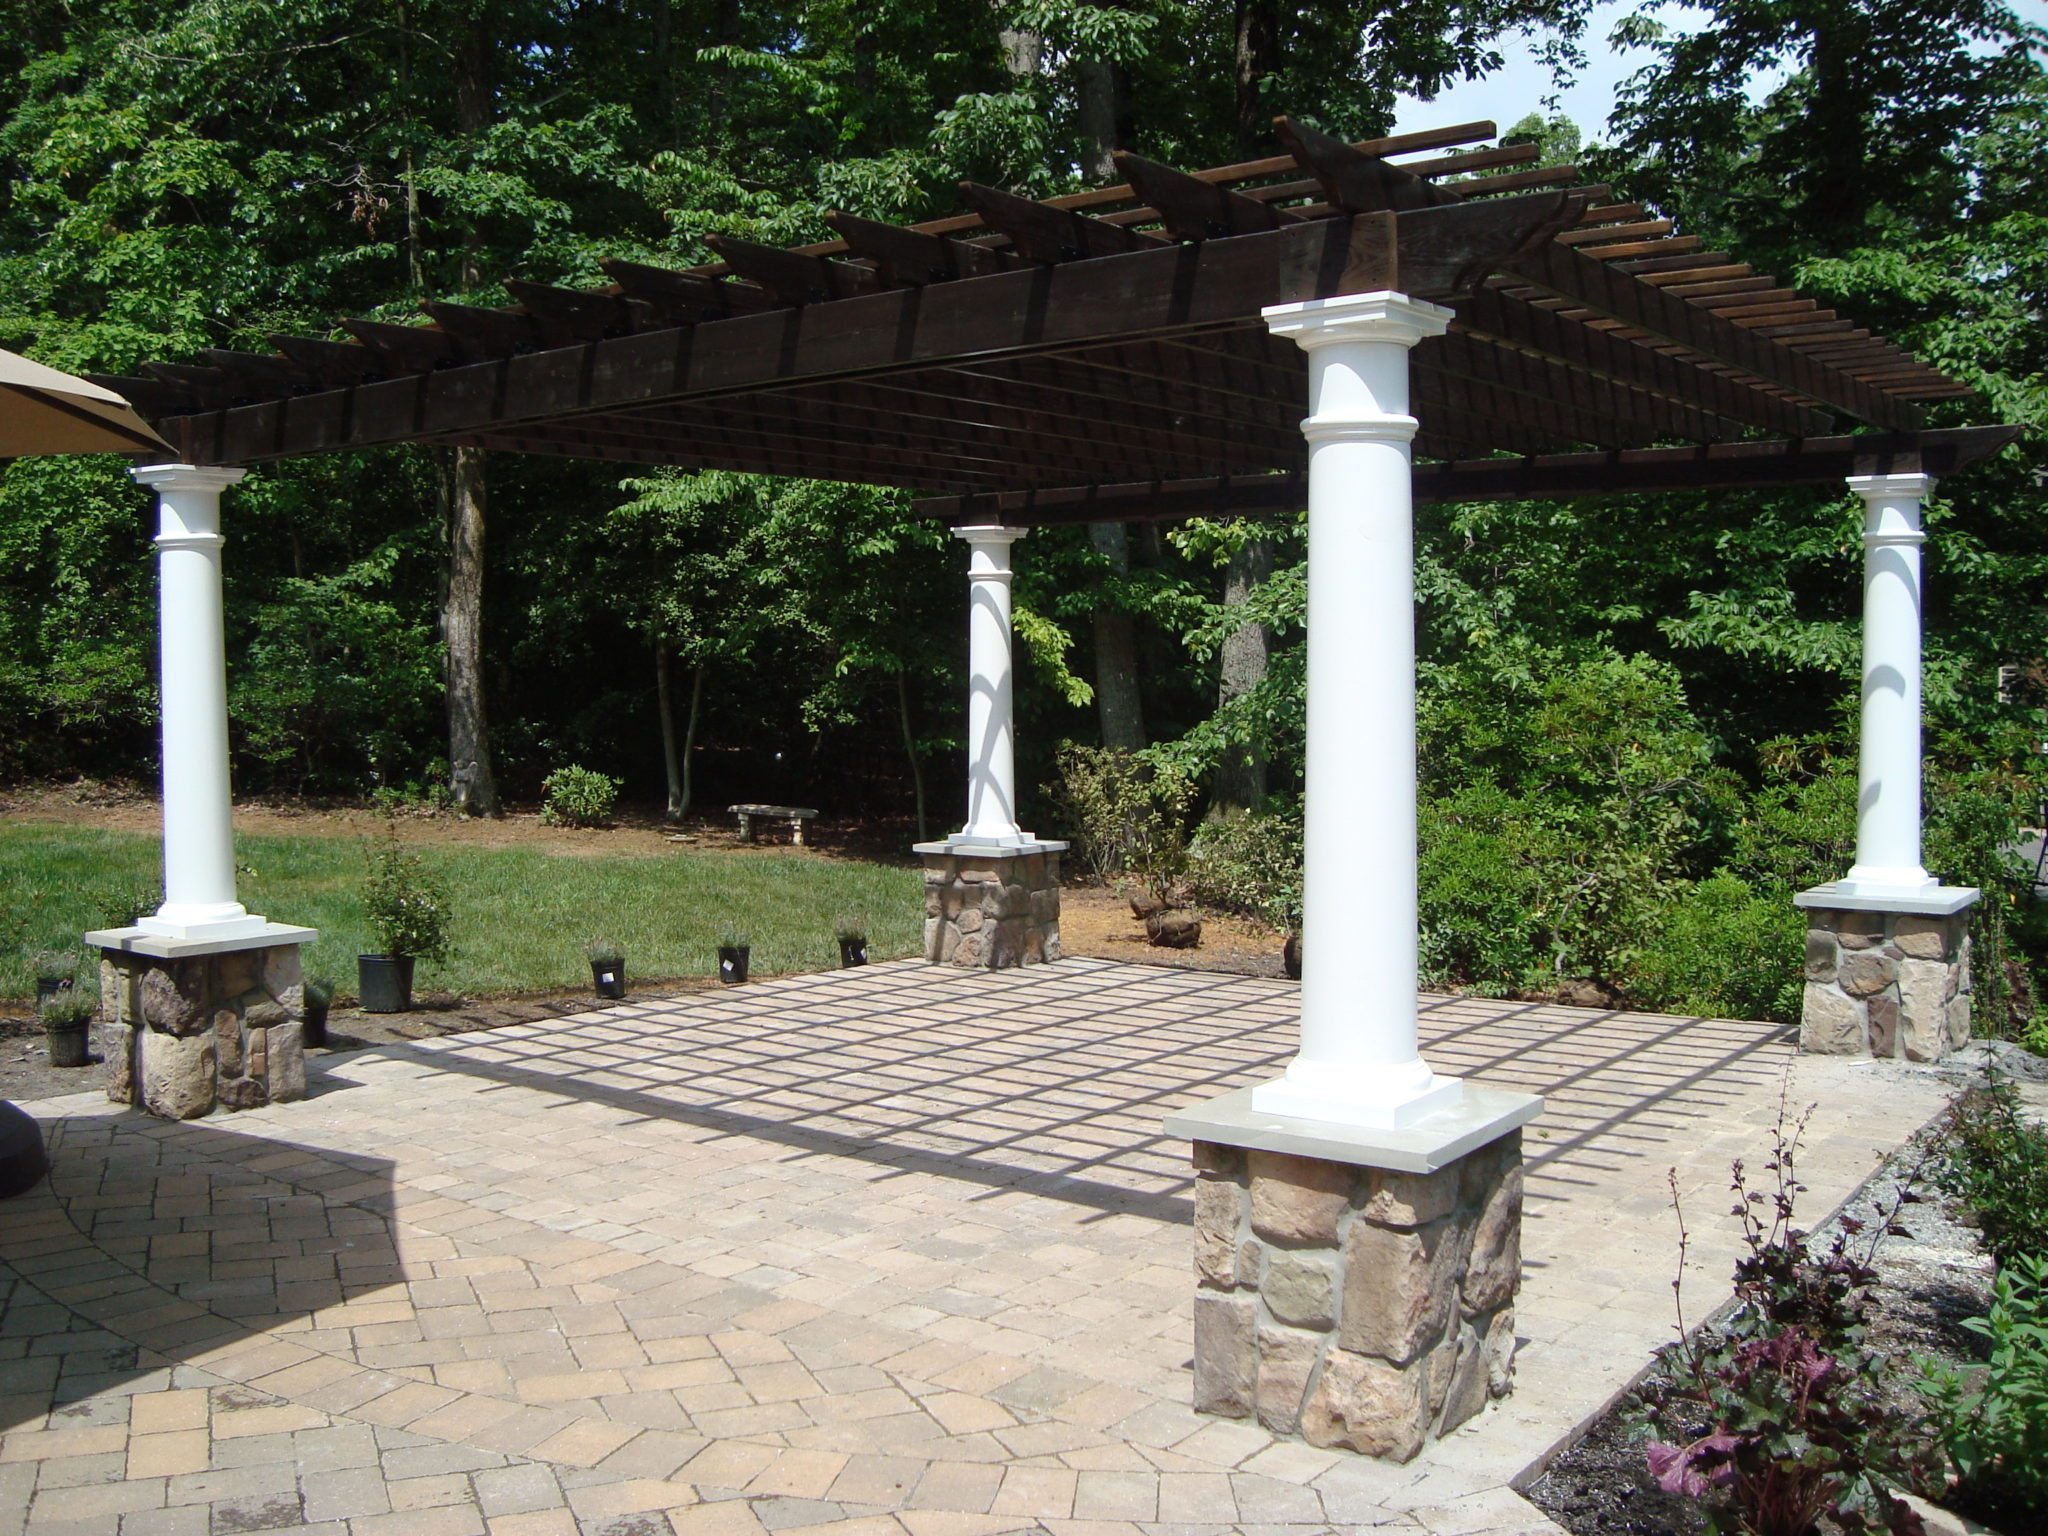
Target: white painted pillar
1359,1062
1888,754
199,847
991,727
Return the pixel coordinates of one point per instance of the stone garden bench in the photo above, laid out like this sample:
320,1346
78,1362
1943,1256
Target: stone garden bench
795,815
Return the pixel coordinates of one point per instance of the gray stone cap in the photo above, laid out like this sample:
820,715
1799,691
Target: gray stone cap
992,850
1480,1116
1934,901
140,941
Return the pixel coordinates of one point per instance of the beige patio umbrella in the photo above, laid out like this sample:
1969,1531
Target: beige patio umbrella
45,411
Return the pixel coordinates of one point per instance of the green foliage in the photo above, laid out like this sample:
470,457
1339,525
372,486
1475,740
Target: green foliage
319,991
603,951
1126,814
1994,1425
578,797
1250,864
73,1008
405,905
1800,1420
1993,1156
1722,949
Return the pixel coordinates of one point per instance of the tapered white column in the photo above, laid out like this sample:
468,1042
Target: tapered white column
1888,753
991,689
1359,1063
199,848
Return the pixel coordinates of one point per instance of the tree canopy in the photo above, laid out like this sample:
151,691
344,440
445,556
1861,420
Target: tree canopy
1618,694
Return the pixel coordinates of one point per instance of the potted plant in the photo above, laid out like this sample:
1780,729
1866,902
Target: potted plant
319,997
67,1018
607,967
732,957
407,911
55,970
1290,957
853,942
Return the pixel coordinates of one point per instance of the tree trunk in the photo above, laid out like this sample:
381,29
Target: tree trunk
1241,772
670,762
1118,701
690,740
910,751
1097,89
1258,55
471,784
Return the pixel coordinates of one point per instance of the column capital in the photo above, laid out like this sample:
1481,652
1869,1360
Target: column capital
1891,507
989,533
1880,487
186,477
1384,315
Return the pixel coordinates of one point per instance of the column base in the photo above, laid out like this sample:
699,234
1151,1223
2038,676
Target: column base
239,924
1352,1290
1887,971
1368,1098
191,1025
991,907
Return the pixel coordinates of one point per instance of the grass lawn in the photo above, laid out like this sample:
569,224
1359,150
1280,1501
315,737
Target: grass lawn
521,915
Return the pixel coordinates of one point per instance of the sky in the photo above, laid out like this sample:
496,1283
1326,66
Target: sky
1514,91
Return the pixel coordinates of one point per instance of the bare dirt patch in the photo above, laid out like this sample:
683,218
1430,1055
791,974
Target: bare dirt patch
1096,920
637,831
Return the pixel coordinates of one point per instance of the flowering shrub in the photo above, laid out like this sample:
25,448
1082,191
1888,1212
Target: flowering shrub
578,797
1798,1422
407,908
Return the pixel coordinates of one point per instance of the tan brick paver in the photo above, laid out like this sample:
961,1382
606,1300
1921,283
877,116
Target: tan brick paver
887,1252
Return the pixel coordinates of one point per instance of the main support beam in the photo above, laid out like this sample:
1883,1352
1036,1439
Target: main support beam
1556,476
1159,291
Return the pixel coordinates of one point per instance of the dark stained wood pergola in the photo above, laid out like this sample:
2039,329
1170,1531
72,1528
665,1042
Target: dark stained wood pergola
1101,355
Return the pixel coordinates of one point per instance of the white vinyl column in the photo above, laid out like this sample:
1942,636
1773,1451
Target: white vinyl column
1888,757
1359,1063
991,689
199,847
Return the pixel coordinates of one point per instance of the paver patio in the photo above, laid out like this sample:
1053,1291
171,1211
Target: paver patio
893,1250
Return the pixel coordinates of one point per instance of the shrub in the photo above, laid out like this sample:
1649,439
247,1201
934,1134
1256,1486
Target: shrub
1991,1156
53,964
1722,950
1799,1422
407,908
1996,1431
602,951
68,1009
578,797
1250,864
1126,814
1478,892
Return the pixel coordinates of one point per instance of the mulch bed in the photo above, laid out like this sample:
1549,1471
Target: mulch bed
1927,1285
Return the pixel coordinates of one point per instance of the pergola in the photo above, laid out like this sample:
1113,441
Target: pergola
1476,327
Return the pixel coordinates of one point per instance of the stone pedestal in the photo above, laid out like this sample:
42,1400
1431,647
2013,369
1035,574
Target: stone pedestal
186,1027
1884,979
991,908
1356,1305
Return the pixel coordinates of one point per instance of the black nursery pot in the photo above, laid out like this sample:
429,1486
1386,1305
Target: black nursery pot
385,982
732,964
852,952
609,979
1290,957
315,1023
68,1045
